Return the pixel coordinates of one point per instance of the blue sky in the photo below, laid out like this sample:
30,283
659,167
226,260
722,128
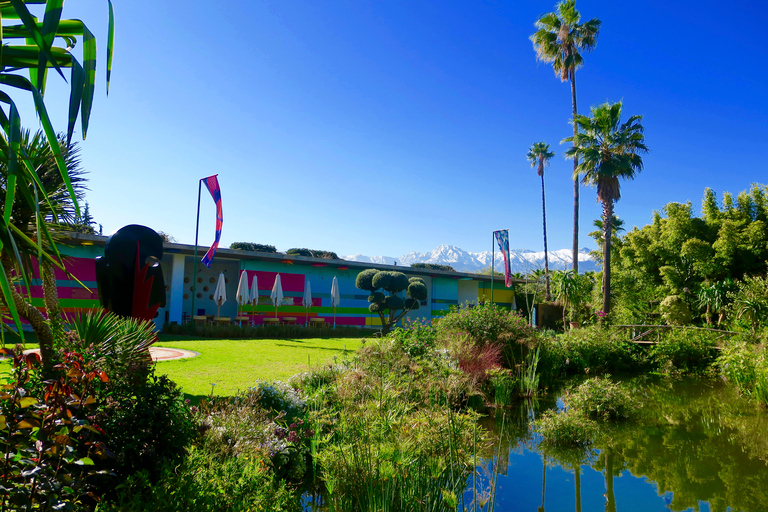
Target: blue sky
384,127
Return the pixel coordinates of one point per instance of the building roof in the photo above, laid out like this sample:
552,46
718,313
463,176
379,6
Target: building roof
189,250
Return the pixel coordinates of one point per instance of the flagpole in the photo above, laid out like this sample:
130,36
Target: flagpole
194,261
493,261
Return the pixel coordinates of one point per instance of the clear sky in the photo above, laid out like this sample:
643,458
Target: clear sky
384,127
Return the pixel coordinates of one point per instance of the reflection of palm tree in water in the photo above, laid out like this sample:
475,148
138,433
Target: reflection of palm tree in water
543,483
577,481
610,504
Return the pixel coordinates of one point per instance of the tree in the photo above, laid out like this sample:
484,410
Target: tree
560,39
609,151
391,308
56,210
32,57
539,156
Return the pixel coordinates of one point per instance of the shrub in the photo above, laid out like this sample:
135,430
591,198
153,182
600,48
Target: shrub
248,246
280,397
591,350
488,323
51,446
601,399
147,423
204,482
309,253
417,340
117,345
433,266
566,429
745,365
675,311
685,351
242,425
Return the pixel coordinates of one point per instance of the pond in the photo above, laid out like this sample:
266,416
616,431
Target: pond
697,446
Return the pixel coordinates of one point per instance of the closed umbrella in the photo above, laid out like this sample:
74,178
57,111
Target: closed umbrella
277,294
307,301
220,295
254,293
335,298
243,296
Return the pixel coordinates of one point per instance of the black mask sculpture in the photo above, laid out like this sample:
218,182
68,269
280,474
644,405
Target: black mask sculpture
129,276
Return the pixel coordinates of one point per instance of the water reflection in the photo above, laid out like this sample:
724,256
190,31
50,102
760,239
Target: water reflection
697,446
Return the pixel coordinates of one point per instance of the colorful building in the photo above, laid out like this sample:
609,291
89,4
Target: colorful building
445,288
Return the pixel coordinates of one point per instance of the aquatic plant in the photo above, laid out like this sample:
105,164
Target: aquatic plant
601,399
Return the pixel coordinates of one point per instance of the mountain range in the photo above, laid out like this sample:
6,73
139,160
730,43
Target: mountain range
521,260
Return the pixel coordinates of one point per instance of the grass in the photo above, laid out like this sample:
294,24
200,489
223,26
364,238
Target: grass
236,365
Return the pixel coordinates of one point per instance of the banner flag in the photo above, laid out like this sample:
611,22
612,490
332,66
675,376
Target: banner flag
212,184
502,237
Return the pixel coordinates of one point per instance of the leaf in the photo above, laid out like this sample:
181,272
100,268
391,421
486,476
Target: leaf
28,423
85,461
27,401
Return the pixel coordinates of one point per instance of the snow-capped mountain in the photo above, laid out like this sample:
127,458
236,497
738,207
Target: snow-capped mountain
521,260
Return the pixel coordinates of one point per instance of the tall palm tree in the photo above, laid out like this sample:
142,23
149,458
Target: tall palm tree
539,155
609,151
560,39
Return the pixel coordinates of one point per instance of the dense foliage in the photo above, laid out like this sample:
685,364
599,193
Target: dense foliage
311,253
695,257
433,266
248,246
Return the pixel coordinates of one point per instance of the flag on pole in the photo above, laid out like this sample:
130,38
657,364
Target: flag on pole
212,184
502,237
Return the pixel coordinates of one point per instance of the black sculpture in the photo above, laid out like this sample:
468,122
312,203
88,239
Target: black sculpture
129,276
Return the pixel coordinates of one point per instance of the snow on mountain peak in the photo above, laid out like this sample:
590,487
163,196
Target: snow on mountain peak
521,260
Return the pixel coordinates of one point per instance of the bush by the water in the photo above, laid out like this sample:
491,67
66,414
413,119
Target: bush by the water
486,324
745,365
601,399
592,350
568,428
685,351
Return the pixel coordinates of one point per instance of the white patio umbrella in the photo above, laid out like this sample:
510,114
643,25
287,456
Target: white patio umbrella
243,296
254,293
307,301
220,295
335,298
277,294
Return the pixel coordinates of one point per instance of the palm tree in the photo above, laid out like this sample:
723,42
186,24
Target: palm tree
560,39
35,224
608,151
539,156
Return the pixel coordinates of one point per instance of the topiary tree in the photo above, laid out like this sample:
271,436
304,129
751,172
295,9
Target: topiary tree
391,307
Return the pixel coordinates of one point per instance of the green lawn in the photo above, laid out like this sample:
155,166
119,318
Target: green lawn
235,365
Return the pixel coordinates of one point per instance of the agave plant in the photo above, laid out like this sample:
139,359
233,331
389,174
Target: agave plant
119,345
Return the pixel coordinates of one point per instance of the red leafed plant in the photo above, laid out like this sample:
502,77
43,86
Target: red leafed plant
476,360
48,443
